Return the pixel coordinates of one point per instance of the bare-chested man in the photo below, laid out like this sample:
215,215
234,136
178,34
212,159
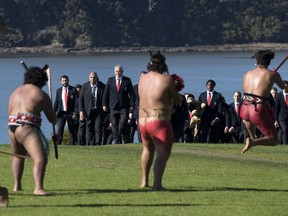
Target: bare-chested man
25,105
157,94
255,110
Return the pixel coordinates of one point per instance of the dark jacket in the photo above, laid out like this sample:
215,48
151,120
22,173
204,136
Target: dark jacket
280,109
125,98
58,105
85,98
215,109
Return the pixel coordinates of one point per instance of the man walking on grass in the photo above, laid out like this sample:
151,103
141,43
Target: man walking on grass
157,93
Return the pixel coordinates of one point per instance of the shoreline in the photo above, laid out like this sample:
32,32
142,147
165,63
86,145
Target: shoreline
204,48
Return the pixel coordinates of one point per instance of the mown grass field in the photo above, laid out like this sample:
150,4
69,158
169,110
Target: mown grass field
204,179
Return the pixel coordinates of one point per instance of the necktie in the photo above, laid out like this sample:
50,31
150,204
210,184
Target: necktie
237,108
65,99
118,85
93,90
286,100
209,98
93,97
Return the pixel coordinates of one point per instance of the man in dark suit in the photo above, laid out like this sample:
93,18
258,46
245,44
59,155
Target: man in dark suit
76,112
91,112
237,128
281,114
119,98
136,110
210,121
179,116
272,102
64,107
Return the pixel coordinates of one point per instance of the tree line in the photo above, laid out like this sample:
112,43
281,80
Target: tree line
113,23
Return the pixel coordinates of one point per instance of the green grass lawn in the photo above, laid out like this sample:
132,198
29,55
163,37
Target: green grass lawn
204,179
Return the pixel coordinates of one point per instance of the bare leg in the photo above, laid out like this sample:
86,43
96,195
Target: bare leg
265,141
4,201
31,140
39,173
146,163
159,166
251,130
17,171
248,145
17,163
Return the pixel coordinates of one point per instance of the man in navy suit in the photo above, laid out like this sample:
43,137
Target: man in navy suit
237,128
64,105
90,107
210,121
119,98
136,110
281,114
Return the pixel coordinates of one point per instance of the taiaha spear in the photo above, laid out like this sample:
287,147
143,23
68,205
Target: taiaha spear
24,65
281,63
48,71
16,155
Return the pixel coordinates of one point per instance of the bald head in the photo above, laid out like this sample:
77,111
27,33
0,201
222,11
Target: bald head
93,78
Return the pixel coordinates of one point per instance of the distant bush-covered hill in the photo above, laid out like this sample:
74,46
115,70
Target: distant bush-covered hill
169,23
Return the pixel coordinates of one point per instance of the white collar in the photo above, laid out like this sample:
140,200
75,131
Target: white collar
95,85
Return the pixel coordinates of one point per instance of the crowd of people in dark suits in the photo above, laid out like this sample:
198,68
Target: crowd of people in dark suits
97,113
220,122
209,119
100,114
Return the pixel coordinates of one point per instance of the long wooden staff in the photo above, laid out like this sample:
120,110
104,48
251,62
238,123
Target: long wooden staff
48,71
281,63
17,155
24,65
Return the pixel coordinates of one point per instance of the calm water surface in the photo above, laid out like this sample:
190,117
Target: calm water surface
226,68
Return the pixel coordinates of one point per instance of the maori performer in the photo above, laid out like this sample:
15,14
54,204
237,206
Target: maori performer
25,106
255,110
157,93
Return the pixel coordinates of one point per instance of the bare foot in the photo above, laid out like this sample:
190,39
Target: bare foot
159,189
248,145
144,183
41,192
4,200
17,188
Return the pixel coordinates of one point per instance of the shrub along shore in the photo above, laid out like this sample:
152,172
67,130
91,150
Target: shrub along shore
204,48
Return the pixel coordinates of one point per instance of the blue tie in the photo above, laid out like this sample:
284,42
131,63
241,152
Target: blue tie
93,90
93,97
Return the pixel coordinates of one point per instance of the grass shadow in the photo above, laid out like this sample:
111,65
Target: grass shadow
110,205
64,192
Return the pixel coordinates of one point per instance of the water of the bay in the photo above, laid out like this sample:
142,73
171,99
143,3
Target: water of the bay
225,68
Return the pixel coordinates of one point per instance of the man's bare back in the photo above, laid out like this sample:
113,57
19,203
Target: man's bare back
157,93
259,81
30,99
